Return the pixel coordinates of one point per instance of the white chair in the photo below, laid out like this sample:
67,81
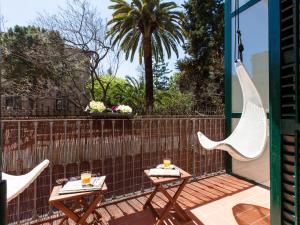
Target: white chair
17,184
248,140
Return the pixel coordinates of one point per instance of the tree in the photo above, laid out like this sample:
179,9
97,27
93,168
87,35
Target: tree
173,101
114,86
37,63
151,27
81,27
202,71
160,75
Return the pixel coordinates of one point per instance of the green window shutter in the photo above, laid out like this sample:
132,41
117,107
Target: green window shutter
288,179
289,83
288,89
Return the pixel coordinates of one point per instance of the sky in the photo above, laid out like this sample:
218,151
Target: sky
24,12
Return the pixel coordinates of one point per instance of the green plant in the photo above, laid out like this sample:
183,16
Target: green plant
151,27
132,94
170,101
109,94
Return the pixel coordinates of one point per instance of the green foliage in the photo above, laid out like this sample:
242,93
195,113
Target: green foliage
160,75
202,72
113,85
131,91
132,94
35,60
170,101
18,43
174,101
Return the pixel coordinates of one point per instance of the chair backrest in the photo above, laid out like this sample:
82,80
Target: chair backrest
17,184
249,138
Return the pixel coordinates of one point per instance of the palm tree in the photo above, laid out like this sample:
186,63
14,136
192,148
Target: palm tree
153,27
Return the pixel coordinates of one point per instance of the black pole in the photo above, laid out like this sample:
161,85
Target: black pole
3,205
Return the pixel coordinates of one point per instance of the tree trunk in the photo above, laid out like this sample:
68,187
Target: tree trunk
148,74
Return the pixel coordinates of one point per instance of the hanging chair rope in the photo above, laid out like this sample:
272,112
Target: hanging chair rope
238,43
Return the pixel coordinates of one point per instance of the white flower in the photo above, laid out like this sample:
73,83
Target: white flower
96,106
124,109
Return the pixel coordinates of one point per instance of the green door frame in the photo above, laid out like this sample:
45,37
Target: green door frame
274,87
275,134
227,82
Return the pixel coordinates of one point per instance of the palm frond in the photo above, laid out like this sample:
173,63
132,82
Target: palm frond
130,22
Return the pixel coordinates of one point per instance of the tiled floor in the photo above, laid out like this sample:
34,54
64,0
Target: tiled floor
247,207
219,200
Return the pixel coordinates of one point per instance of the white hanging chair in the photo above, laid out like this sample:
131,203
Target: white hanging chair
248,140
17,184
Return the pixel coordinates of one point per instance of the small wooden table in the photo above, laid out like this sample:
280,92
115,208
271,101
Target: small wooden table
79,199
172,204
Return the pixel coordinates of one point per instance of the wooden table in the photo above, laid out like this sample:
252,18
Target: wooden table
159,183
79,201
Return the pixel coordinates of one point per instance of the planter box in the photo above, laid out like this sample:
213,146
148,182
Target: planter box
111,115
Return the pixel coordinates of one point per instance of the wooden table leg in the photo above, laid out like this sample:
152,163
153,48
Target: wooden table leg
153,210
97,214
63,220
90,209
148,202
173,204
164,214
68,212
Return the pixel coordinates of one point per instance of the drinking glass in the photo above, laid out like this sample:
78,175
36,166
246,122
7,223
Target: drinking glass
86,177
167,163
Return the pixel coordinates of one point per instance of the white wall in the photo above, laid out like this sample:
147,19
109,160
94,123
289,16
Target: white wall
257,170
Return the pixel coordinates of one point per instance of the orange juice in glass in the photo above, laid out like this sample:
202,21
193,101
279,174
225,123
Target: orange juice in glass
167,163
86,177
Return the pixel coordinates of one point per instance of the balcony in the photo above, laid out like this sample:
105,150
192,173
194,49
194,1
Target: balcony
121,149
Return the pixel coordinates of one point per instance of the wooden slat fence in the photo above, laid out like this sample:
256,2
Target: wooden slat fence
119,148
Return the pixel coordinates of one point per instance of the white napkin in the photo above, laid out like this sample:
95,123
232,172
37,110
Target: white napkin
156,172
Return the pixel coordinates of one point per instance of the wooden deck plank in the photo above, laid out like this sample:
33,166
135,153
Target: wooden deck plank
223,184
236,180
208,189
143,199
126,208
135,204
158,201
197,194
232,182
228,183
114,211
195,199
194,189
190,197
215,186
161,195
185,202
105,215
